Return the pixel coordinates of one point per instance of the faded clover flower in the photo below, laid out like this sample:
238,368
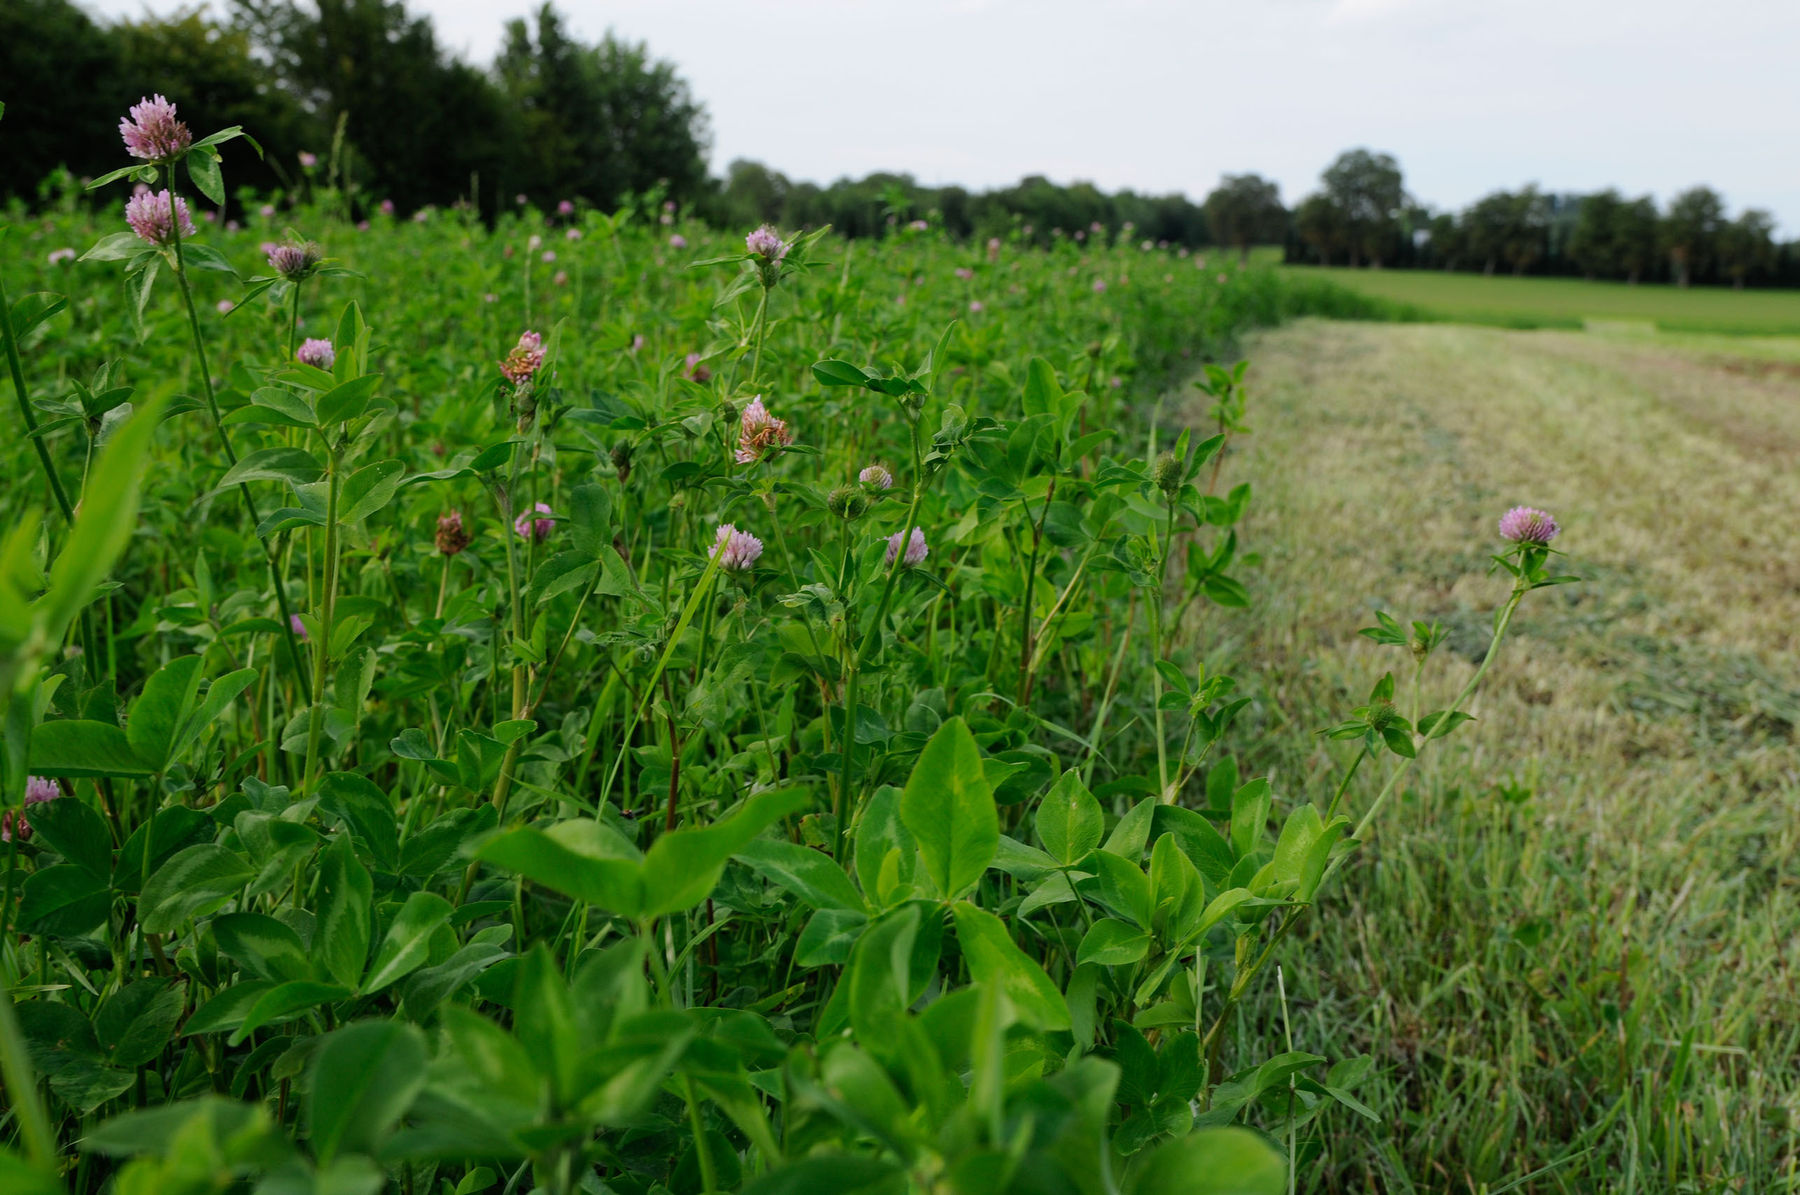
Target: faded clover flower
452,536
148,216
736,550
1528,525
525,360
153,133
760,433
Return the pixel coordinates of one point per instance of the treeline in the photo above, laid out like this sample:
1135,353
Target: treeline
1362,215
359,97
362,91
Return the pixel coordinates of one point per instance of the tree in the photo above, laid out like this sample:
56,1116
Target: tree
1320,223
1446,240
425,125
1245,209
1366,187
45,46
1691,232
1747,245
1636,233
209,71
601,121
1593,243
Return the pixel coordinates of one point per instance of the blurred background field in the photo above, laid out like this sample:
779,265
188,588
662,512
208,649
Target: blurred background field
1535,302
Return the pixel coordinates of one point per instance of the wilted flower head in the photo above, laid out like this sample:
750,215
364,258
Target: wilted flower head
736,550
452,537
525,359
148,215
876,478
916,548
760,432
528,528
9,820
317,352
152,132
694,370
39,789
766,243
294,260
1528,525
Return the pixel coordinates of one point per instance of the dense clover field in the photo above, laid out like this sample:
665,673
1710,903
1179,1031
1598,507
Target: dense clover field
599,704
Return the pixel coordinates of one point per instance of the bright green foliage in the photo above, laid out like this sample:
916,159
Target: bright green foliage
551,846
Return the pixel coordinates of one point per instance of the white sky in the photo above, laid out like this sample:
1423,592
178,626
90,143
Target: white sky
1165,95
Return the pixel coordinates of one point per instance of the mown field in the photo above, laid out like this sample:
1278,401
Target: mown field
1572,947
1570,302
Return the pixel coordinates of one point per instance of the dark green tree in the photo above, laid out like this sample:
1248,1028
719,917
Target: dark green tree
602,121
1244,210
1691,233
47,47
1367,189
1747,246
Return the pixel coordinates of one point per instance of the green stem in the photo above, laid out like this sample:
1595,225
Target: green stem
212,406
322,648
18,379
841,805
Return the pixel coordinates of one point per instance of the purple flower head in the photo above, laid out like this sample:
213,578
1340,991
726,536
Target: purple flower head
964,272
916,548
528,528
387,207
152,132
148,215
677,241
294,260
39,789
574,234
1099,286
58,256
520,199
549,256
766,243
975,307
298,627
308,160
525,360
565,208
226,306
760,433
876,478
316,352
1528,525
736,550
918,226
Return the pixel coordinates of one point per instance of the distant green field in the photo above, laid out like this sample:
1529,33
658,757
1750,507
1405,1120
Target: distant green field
1572,302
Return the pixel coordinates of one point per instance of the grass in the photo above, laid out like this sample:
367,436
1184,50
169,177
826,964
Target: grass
1572,302
1570,947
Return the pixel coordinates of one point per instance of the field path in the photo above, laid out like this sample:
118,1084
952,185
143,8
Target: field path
1645,719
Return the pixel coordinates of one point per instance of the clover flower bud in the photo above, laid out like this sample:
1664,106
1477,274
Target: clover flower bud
1167,474
876,477
847,502
294,261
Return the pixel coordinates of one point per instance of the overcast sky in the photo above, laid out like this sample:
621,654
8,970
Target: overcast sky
1165,95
